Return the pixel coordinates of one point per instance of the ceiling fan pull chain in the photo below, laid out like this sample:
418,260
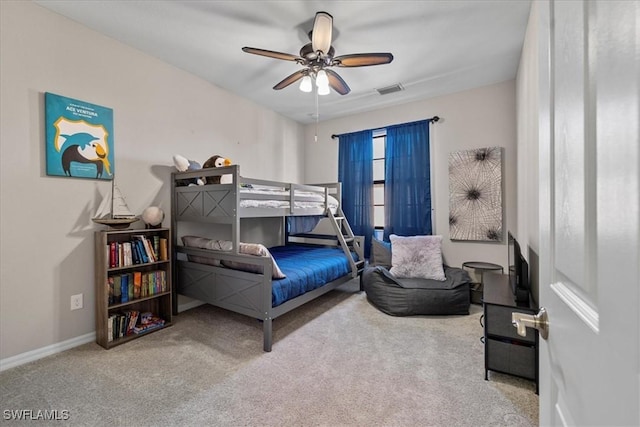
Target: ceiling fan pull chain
317,114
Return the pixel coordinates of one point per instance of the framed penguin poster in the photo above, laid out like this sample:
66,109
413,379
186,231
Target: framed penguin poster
79,138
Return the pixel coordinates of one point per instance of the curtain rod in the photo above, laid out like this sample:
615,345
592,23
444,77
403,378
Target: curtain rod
434,119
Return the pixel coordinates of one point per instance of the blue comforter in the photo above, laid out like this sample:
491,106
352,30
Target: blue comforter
306,268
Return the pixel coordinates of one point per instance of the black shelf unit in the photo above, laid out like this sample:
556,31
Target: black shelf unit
504,350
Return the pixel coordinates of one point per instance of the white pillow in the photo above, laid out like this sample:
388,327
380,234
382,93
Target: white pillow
417,257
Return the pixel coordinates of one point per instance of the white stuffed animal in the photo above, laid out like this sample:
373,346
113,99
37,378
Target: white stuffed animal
183,164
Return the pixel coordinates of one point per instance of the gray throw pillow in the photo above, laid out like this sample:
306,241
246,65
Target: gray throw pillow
417,257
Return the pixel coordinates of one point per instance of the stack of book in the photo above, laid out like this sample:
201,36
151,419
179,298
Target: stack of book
148,322
132,322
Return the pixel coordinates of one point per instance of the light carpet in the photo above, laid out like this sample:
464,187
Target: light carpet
336,361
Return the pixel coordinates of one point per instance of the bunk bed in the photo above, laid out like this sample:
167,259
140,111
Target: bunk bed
321,254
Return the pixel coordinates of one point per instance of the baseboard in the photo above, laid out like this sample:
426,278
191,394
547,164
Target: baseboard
189,305
30,356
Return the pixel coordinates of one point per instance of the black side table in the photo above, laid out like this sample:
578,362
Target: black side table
482,267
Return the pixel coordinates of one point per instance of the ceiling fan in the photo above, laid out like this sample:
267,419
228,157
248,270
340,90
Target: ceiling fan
318,56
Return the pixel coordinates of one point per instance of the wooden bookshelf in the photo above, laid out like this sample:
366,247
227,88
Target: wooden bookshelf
112,266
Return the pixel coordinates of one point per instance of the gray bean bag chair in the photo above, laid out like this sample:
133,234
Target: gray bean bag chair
408,297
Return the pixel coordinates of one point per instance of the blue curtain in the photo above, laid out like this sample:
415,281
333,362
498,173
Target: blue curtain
407,194
355,171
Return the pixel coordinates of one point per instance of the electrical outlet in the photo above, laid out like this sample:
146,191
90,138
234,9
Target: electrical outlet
76,302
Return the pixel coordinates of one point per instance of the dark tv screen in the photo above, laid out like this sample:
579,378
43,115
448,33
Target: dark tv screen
518,271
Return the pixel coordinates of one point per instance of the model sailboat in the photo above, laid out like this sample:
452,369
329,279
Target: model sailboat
113,211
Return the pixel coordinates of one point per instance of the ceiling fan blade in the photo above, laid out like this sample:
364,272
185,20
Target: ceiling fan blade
291,79
272,54
336,82
362,59
322,32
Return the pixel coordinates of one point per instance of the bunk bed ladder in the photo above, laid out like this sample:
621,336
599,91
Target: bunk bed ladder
347,240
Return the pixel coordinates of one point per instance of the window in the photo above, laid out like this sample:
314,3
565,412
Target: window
378,183
387,178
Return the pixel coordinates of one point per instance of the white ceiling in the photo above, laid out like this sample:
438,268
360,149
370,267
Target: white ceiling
439,47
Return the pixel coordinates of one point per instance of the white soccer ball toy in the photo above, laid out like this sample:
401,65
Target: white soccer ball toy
153,216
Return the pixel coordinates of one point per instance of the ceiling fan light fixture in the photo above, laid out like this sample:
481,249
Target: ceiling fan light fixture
305,84
317,59
324,90
322,79
321,35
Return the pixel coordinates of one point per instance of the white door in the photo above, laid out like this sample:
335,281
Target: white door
590,212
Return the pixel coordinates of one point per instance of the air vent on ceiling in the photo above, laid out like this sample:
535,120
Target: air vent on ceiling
390,89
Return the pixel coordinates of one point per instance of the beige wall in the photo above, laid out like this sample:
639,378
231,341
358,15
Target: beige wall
475,118
46,230
527,93
45,222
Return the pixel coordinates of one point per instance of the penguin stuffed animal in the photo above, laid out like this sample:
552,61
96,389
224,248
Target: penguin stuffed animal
217,162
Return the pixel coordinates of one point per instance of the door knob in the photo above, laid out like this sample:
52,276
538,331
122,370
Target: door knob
539,321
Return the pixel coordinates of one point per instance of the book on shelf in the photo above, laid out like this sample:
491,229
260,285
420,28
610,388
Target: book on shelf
110,290
137,284
151,248
112,255
150,287
164,252
135,253
124,288
110,327
130,286
135,258
127,258
156,247
115,329
117,289
132,321
144,289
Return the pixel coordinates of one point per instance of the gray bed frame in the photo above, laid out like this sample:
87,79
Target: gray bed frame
239,291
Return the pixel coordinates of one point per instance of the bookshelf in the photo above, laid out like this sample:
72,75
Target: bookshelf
119,263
